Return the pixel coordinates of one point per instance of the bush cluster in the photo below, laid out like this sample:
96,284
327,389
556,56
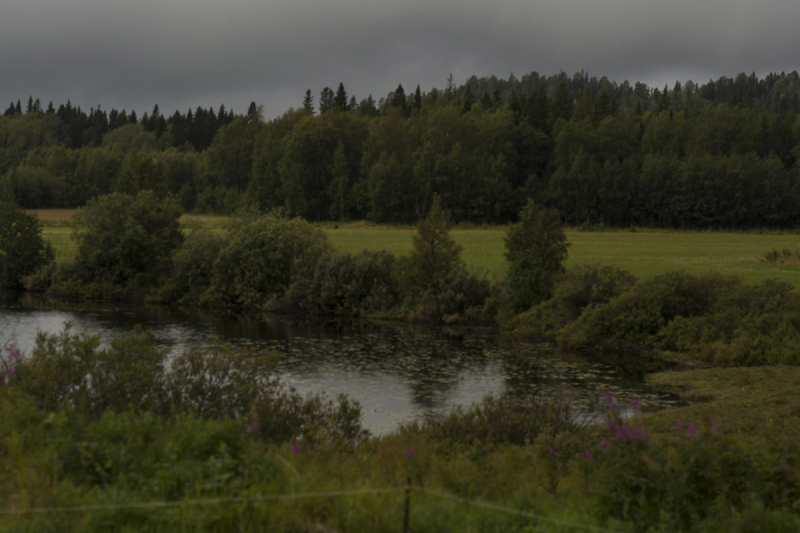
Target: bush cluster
75,373
264,263
714,318
22,248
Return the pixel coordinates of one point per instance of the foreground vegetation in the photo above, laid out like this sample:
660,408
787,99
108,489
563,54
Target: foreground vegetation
230,452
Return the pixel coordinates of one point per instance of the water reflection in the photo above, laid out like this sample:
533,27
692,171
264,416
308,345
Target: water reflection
397,372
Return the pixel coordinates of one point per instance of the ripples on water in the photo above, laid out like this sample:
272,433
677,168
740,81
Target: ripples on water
397,372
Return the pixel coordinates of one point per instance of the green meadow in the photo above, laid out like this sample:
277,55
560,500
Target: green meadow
644,252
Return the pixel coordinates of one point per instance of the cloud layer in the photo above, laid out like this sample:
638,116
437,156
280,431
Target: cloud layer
184,53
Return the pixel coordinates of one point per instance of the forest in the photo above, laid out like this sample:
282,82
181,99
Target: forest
717,155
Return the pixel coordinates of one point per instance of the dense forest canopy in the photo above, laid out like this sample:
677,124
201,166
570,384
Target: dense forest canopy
720,154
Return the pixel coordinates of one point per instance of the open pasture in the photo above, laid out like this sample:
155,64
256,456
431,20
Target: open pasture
644,253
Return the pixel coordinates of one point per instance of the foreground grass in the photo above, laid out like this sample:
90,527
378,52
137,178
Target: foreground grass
751,402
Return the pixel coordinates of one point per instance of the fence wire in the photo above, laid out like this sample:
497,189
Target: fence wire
298,496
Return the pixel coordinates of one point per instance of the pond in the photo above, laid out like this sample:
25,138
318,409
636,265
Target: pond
398,372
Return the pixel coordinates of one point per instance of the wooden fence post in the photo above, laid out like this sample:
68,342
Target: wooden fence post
407,509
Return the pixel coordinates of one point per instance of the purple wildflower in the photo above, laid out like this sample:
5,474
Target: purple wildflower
714,427
679,424
15,355
12,373
692,430
410,452
295,448
553,452
253,427
604,444
588,454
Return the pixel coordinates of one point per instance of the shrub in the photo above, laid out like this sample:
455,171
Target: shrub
219,381
347,284
536,249
192,266
460,296
581,287
506,419
634,318
286,415
22,248
72,370
258,263
120,237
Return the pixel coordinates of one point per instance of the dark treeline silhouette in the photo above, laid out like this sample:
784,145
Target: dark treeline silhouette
721,154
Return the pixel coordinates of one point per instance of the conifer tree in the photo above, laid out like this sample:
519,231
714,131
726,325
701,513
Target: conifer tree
486,102
563,105
340,101
417,99
326,98
308,101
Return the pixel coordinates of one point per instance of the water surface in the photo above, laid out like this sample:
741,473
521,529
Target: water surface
397,372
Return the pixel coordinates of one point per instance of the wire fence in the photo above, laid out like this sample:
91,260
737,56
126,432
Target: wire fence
408,489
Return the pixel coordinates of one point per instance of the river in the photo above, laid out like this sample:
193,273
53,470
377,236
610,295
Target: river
397,372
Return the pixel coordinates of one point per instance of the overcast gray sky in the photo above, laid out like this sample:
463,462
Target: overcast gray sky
185,53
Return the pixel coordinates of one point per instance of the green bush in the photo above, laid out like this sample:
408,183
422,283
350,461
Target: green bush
461,296
22,249
581,287
633,319
121,237
219,381
505,419
192,267
69,370
347,284
258,263
286,415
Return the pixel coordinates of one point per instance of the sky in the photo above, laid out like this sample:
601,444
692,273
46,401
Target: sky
183,53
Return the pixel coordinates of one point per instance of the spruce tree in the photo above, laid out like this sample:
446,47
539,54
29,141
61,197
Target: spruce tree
563,105
308,101
340,101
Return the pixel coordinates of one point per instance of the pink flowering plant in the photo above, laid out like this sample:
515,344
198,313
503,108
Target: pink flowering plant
9,362
684,476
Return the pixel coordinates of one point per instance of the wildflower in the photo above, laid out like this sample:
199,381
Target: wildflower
553,452
679,424
410,452
15,355
588,454
604,444
253,427
714,427
12,373
692,430
295,448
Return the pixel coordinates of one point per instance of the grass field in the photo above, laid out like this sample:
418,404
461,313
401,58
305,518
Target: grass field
644,253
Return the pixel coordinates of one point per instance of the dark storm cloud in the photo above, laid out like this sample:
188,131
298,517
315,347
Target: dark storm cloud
182,53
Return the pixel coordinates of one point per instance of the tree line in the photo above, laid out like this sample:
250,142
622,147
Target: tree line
722,154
